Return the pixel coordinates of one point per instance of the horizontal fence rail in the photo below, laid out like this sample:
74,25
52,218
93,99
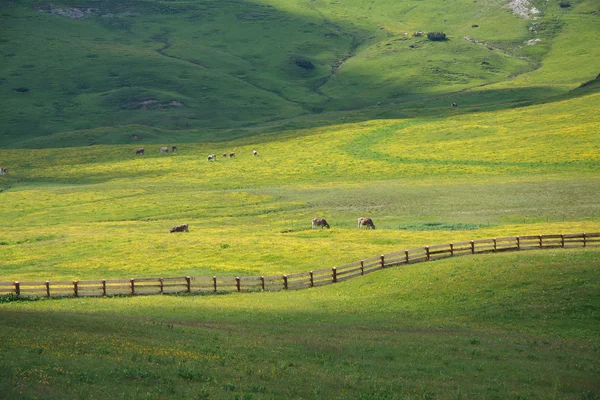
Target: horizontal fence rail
301,280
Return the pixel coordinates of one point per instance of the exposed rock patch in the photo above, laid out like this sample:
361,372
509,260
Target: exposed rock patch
69,12
523,8
532,42
153,104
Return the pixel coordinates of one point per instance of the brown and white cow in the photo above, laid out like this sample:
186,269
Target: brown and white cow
179,228
319,222
368,222
3,171
139,151
255,153
231,155
224,155
164,149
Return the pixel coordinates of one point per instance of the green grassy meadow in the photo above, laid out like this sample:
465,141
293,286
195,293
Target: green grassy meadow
512,325
202,70
366,131
506,326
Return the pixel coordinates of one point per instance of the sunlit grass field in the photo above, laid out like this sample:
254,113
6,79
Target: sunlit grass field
519,156
510,325
103,212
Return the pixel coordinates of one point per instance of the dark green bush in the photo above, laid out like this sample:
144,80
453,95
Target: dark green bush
436,36
564,4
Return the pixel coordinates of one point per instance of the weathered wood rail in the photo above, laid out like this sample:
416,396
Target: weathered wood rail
302,280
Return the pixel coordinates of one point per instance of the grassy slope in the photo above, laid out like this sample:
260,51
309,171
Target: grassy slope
89,77
101,211
501,326
498,326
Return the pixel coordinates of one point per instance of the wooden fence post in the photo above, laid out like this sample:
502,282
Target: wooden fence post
103,287
162,285
518,243
312,279
382,261
132,282
334,270
562,240
406,255
451,249
18,288
262,282
362,267
427,253
585,240
215,283
75,289
188,280
285,283
540,238
237,283
47,289
495,245
472,247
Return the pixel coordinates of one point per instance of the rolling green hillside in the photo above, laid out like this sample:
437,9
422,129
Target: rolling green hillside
103,212
502,326
195,70
350,113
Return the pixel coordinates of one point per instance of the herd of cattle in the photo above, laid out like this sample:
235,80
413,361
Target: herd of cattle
316,223
362,222
211,157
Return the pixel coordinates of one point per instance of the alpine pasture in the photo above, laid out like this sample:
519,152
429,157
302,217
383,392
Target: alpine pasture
350,113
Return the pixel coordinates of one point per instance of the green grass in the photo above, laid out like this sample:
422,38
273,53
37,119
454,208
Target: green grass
105,213
520,155
231,66
512,325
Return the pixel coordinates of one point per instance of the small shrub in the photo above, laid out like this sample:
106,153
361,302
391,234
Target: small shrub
436,36
303,63
564,4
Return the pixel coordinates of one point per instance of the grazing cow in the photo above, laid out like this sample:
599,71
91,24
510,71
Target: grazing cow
255,153
454,105
368,222
164,149
173,149
316,222
3,171
139,151
179,228
224,155
212,157
231,155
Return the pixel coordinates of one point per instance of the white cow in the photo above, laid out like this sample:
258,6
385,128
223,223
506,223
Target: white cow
368,222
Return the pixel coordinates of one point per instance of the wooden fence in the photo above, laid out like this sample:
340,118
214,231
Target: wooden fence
301,280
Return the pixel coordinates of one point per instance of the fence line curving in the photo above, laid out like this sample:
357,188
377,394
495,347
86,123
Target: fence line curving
302,280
